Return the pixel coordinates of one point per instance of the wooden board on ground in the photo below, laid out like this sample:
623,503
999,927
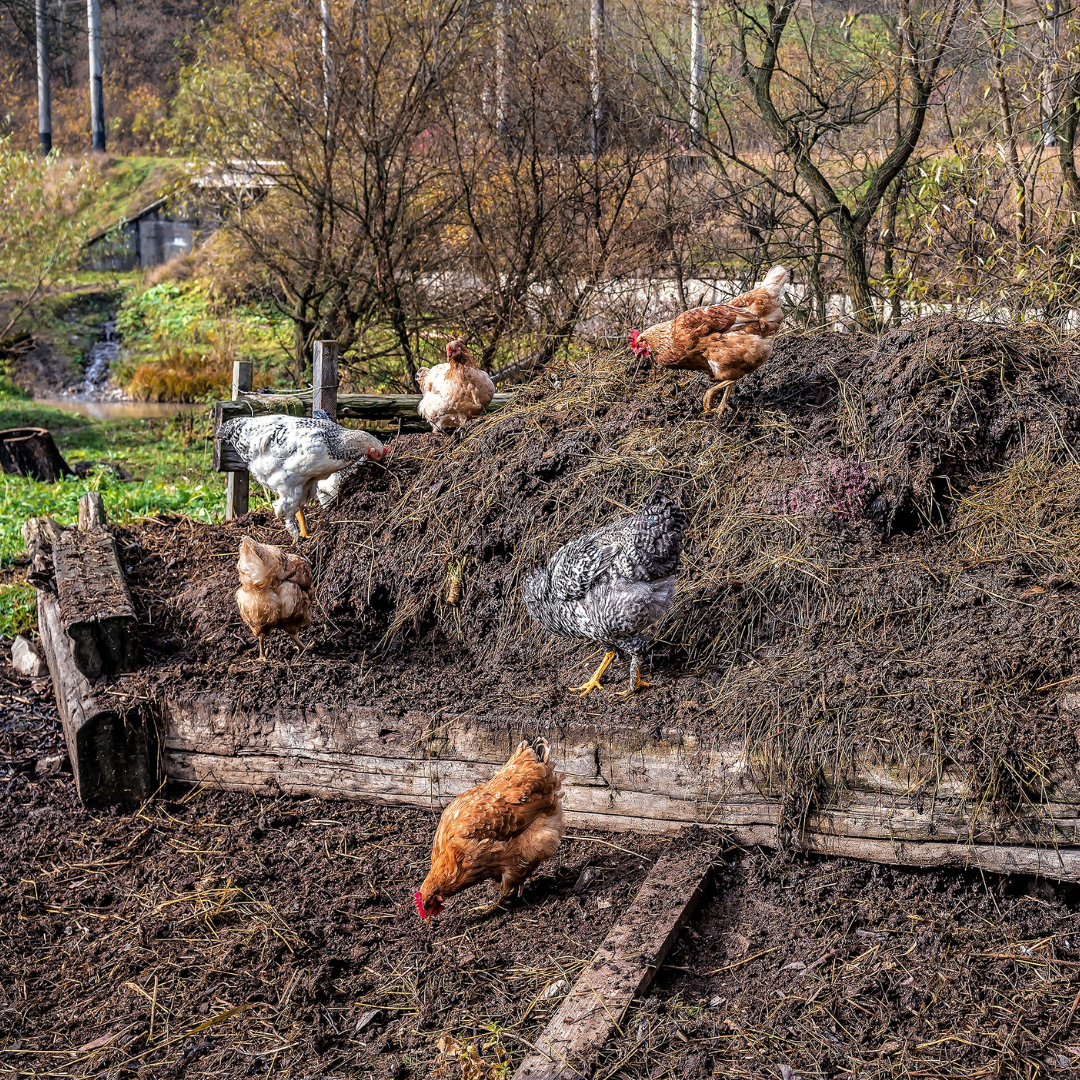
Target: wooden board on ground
622,968
900,812
88,629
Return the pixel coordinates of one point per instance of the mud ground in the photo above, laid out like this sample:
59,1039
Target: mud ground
214,934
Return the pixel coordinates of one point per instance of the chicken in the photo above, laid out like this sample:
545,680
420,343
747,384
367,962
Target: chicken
613,584
291,454
275,591
454,392
727,340
501,830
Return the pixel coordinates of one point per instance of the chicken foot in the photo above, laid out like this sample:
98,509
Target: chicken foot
303,523
711,393
505,893
594,683
635,677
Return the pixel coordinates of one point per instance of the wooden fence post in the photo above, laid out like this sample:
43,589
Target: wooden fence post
324,378
236,497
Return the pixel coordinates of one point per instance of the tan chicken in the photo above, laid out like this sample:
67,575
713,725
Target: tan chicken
501,830
454,392
727,340
275,591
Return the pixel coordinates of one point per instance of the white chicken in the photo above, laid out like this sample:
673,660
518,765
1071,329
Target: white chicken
291,454
454,392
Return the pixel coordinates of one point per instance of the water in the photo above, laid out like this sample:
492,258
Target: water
96,376
122,409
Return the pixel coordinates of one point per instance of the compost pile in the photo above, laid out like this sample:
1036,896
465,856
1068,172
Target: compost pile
882,555
216,934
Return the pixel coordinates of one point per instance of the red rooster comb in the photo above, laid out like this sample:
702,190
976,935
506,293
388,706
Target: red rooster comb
634,335
426,913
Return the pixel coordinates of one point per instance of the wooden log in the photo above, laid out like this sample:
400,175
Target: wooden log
622,968
238,486
887,811
375,407
95,607
39,535
31,452
92,511
114,754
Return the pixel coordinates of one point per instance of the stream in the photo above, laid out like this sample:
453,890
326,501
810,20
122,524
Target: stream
94,397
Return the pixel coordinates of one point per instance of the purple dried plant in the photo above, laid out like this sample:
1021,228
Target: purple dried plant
833,487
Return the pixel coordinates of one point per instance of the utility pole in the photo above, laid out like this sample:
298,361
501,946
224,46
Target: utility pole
502,86
696,95
97,93
43,88
596,26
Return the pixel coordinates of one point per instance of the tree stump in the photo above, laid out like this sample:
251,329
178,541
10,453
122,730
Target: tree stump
32,452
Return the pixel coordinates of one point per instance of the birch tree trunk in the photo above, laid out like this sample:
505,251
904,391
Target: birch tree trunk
696,50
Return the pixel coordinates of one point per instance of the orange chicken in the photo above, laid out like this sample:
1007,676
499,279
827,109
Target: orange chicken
275,591
501,830
726,340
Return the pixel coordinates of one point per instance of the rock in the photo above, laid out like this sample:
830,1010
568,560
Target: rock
25,659
49,766
556,988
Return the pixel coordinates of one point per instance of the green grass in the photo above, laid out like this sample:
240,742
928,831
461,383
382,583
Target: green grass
171,459
18,609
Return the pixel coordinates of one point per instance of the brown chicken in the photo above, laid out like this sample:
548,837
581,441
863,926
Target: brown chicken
454,392
275,591
501,830
727,340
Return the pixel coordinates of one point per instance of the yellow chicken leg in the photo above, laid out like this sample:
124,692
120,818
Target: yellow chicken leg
594,682
639,684
303,524
299,644
711,393
262,649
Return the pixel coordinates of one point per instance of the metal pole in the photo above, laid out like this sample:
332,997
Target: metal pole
696,50
324,377
596,27
97,93
238,486
43,88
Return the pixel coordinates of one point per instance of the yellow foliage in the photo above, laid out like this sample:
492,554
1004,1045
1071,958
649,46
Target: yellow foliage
181,375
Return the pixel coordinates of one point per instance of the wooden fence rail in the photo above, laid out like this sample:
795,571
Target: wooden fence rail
323,395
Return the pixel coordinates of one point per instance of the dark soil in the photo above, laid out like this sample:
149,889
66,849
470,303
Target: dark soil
858,572
213,934
220,934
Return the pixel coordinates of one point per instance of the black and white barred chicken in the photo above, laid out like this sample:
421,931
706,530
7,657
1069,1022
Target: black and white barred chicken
613,585
291,454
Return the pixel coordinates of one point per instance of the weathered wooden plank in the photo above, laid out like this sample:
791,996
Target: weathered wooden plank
613,780
94,603
373,407
622,968
114,755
